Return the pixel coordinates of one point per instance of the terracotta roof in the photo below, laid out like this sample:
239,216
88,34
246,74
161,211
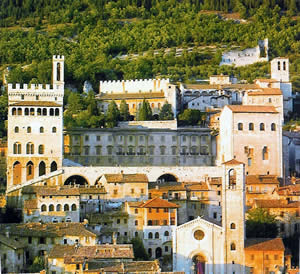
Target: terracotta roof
264,244
129,267
47,230
54,191
199,187
232,162
60,251
120,96
30,204
252,109
158,203
261,179
265,91
11,242
126,178
266,80
92,190
216,181
277,204
289,190
37,104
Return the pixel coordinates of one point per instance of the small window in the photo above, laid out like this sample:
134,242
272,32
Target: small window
44,208
28,129
273,127
136,222
166,233
265,153
98,137
156,235
54,130
262,127
65,241
232,226
249,161
30,240
240,126
41,149
232,246
251,126
16,129
41,130
166,248
150,235
136,211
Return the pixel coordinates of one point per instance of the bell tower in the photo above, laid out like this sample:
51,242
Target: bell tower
58,70
233,215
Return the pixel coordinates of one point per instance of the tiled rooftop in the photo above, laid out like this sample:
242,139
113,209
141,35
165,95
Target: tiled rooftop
264,244
252,109
158,203
126,178
262,179
277,204
36,104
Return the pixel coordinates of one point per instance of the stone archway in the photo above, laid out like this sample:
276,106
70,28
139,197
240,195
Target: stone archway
76,180
167,177
199,264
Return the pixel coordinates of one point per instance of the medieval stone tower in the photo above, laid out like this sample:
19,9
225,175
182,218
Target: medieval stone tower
233,216
35,126
280,69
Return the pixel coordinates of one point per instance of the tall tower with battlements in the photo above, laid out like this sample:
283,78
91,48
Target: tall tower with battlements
35,129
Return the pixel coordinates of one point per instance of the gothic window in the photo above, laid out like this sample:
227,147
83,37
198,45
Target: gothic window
14,111
273,127
66,207
26,111
17,148
240,126
57,112
53,166
232,226
43,208
54,130
39,112
51,207
251,126
58,207
150,235
16,129
73,207
41,149
44,112
51,112
42,168
156,235
30,148
29,170
262,126
19,111
41,129
265,153
32,111
232,246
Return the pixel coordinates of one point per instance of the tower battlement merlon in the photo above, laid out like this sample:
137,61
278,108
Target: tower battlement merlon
58,57
33,87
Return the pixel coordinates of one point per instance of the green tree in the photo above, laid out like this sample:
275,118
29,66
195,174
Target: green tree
166,112
124,111
190,117
38,264
261,224
75,103
139,250
145,111
112,115
3,113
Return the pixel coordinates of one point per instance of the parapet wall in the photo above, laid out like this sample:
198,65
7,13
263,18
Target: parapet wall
170,124
133,86
40,88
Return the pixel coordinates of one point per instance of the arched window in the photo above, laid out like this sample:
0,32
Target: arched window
17,173
273,127
262,126
240,126
16,129
14,111
39,112
53,166
166,233
265,153
150,235
136,223
28,129
19,111
43,208
17,148
44,112
41,149
156,235
66,207
41,129
232,246
32,111
29,170
51,112
251,126
29,148
54,130
284,65
58,207
73,207
42,168
149,222
51,207
232,226
26,111
278,65
57,112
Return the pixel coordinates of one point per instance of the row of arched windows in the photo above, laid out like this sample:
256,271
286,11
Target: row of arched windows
156,235
261,126
17,129
34,111
58,207
17,148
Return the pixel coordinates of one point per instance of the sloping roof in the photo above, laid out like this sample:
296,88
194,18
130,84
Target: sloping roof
264,244
36,104
233,162
126,178
60,251
55,191
277,204
262,179
266,91
289,190
158,203
11,242
120,96
252,109
127,267
266,80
